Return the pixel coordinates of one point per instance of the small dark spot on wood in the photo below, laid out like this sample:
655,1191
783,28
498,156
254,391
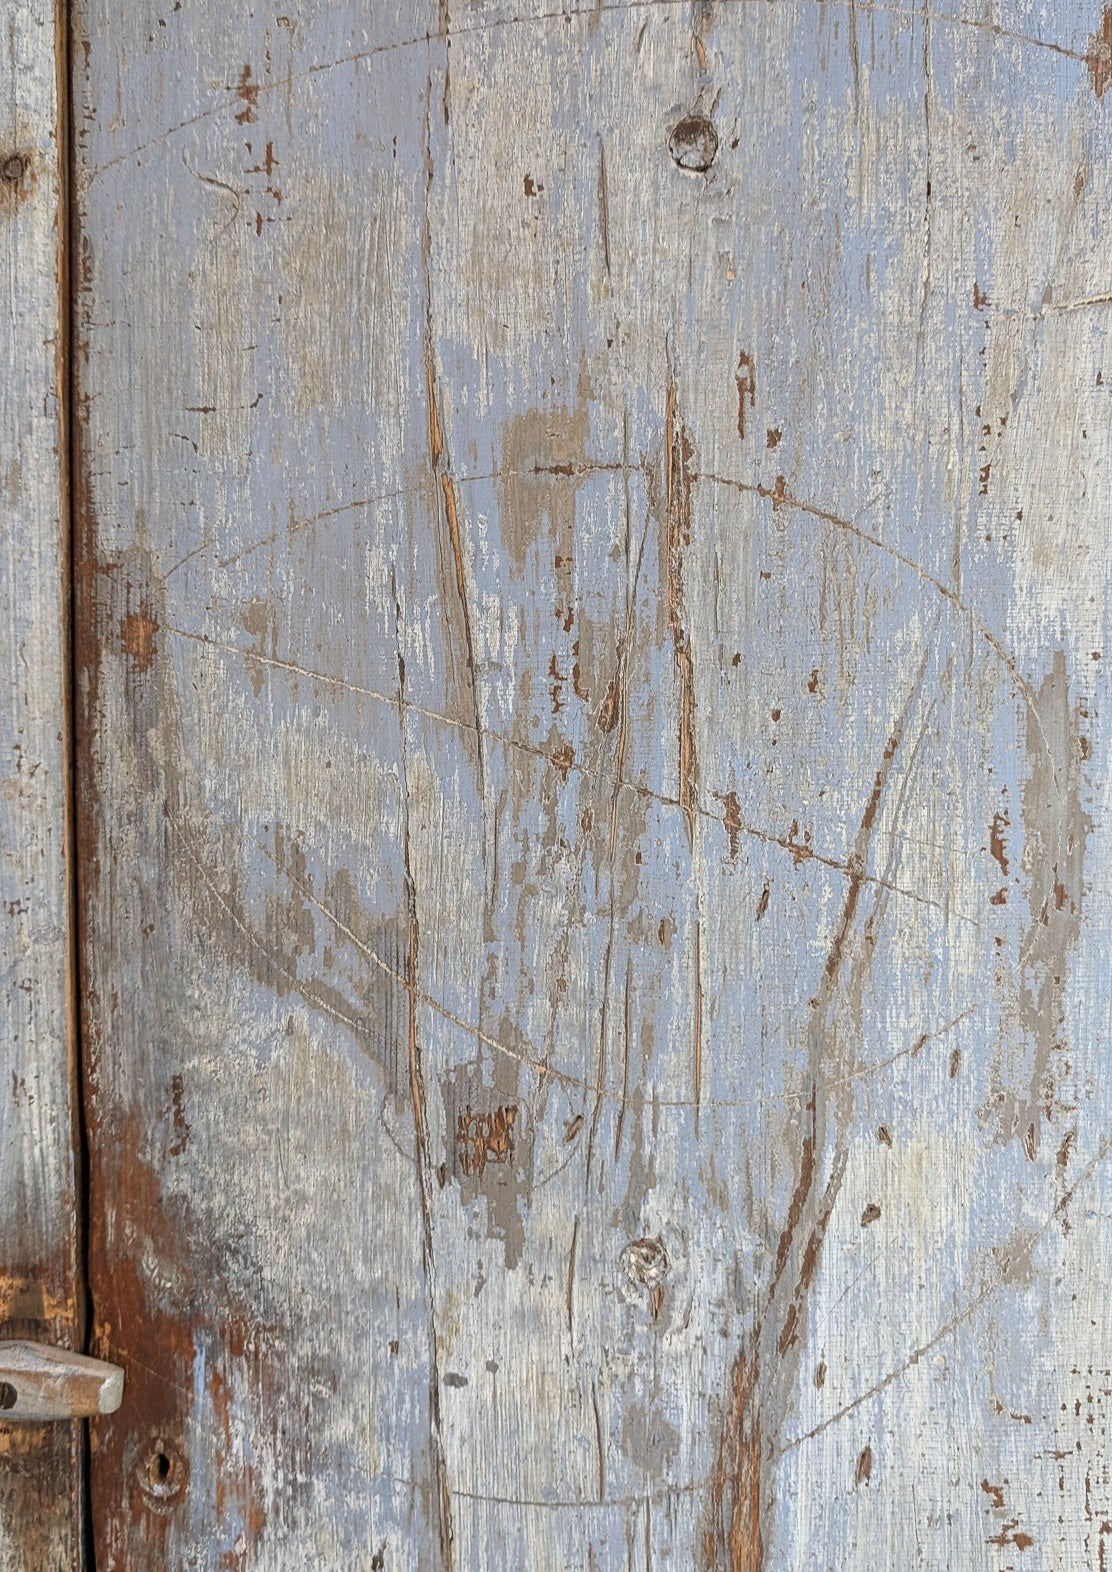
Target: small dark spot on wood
14,168
996,842
746,380
248,94
563,758
776,714
732,821
864,1471
884,1135
820,1373
532,187
608,711
453,1378
572,1129
394,1348
870,1214
693,143
762,904
995,1491
772,437
8,1395
1010,1535
182,1128
955,1063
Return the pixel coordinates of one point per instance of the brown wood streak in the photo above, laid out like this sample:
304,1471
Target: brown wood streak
619,711
738,1496
440,463
679,455
422,1157
736,1482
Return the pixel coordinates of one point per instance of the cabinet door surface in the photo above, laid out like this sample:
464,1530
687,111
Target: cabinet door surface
40,1465
592,559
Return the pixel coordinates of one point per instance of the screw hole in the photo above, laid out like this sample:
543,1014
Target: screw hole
14,168
8,1395
161,1474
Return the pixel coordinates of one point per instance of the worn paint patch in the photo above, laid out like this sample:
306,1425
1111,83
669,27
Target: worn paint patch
543,464
1056,828
491,1142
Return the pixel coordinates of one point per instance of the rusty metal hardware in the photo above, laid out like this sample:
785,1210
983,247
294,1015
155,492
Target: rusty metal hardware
38,1381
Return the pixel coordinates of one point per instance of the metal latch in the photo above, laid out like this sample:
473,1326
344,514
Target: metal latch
38,1381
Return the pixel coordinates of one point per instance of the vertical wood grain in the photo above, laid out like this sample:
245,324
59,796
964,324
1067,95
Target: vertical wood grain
595,544
38,1202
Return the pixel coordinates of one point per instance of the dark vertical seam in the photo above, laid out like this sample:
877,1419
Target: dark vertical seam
70,452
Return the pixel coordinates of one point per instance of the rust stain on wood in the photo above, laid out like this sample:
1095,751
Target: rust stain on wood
137,635
1099,58
483,1138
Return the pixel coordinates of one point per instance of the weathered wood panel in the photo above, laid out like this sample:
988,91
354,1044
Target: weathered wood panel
597,541
39,1479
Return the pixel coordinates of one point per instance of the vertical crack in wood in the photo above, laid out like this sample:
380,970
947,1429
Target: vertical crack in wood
421,1150
679,455
621,715
446,501
72,488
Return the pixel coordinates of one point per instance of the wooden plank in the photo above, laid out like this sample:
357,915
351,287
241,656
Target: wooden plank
592,672
39,1477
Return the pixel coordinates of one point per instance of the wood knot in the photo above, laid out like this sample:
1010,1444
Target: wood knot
13,168
693,143
645,1263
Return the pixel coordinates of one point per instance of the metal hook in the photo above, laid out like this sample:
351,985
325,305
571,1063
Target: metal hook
38,1381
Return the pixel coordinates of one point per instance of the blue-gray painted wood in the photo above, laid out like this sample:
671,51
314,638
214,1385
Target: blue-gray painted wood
594,782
